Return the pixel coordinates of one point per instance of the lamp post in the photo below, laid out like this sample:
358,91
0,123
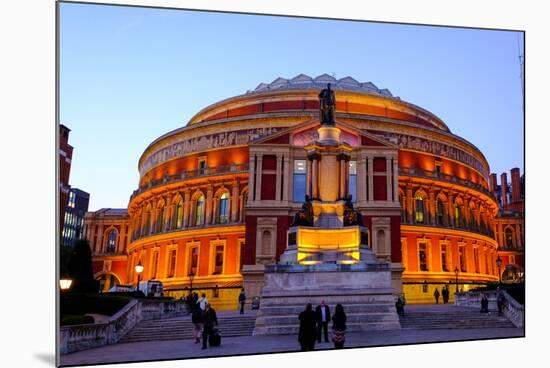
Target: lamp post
499,263
456,278
139,270
65,284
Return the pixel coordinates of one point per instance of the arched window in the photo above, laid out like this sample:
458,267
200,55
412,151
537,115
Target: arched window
147,229
440,212
223,208
160,220
179,215
457,216
111,241
509,237
199,211
419,209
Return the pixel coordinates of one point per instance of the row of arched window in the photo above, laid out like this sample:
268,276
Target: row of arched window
457,216
163,220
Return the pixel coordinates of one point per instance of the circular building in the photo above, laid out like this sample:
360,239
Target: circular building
216,198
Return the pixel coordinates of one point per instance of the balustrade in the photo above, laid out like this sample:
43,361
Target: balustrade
512,310
81,337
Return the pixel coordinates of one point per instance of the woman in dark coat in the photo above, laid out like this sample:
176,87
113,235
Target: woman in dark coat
308,328
339,327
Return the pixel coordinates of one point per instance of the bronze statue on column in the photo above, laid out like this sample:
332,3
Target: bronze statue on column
327,105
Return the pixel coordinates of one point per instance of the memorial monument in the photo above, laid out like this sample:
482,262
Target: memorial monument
327,255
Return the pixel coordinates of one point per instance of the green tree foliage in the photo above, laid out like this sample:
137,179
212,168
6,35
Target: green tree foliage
80,268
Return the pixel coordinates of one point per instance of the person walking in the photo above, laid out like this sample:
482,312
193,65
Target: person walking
445,294
436,295
339,327
307,333
202,302
209,322
484,304
323,318
196,318
400,307
242,300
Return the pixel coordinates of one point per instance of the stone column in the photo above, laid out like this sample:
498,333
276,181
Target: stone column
100,239
186,205
371,178
278,177
251,177
208,214
169,210
235,202
259,178
287,177
389,185
431,196
309,183
361,180
314,175
342,182
451,211
395,179
409,198
346,178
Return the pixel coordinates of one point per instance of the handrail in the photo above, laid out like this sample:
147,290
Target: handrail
512,310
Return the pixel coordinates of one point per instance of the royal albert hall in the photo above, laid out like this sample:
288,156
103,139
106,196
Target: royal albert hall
216,197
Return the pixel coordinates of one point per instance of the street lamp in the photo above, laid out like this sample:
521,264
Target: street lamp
499,263
65,284
139,270
456,278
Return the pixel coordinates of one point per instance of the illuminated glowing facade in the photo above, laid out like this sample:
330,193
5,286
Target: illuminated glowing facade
216,198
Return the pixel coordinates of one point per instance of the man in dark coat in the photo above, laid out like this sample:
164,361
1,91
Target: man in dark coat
242,300
436,295
308,331
322,313
209,320
445,294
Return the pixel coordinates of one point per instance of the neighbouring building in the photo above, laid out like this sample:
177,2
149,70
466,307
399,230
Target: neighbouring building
215,198
77,207
65,156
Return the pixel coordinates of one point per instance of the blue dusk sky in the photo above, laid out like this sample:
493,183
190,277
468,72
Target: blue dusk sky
129,75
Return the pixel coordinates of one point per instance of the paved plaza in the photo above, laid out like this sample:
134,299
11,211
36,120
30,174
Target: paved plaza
177,349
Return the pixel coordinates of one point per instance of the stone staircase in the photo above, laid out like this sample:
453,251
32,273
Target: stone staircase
181,328
437,317
283,320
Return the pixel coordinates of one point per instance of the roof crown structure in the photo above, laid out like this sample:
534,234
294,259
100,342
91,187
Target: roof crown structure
304,81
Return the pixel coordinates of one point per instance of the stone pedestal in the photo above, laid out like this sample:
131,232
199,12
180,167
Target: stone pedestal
365,291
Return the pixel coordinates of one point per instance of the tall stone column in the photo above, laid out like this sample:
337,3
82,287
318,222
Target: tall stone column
409,195
395,179
186,206
169,208
361,180
209,197
235,202
451,210
309,183
389,185
287,170
342,182
259,178
314,178
431,196
370,174
278,177
251,178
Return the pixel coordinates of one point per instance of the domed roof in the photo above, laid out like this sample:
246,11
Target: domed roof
303,81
